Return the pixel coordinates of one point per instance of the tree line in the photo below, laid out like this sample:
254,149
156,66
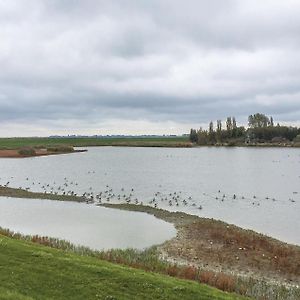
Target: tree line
261,129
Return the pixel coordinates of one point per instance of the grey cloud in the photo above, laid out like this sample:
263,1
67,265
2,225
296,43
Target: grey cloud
160,61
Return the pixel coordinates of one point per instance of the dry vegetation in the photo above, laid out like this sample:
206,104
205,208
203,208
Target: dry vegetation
220,247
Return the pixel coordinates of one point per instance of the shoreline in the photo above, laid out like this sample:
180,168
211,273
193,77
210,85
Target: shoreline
221,247
209,244
14,153
155,142
262,145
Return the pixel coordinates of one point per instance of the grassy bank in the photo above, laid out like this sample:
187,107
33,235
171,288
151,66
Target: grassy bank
31,271
16,143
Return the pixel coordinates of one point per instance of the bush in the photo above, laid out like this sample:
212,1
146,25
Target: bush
297,139
64,149
231,143
27,151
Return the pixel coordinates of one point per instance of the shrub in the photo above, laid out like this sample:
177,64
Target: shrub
63,148
27,151
231,143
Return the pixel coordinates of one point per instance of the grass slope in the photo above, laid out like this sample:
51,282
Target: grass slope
30,271
16,143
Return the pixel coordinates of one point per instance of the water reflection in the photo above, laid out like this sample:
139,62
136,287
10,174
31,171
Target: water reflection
91,226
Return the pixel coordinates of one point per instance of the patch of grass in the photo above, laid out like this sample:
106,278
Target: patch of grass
30,271
20,193
60,149
16,143
27,151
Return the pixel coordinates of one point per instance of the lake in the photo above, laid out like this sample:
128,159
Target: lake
94,227
255,188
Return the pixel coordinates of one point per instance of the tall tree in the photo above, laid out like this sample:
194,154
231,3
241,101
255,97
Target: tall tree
219,131
202,137
258,120
219,125
229,126
211,133
234,127
193,136
234,123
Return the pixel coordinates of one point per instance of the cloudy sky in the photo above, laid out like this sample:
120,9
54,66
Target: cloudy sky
140,66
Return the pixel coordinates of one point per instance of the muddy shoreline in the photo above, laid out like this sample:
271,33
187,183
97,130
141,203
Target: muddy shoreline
221,247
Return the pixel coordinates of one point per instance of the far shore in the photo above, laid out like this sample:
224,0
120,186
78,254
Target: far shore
9,147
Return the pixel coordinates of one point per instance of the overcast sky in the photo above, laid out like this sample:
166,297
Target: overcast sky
154,67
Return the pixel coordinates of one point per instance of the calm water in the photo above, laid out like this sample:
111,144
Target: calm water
94,227
253,188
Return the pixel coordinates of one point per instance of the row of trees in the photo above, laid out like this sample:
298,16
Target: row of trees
260,129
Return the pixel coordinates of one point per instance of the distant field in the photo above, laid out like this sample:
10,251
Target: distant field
15,143
30,271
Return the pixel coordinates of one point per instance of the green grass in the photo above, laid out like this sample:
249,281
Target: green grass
20,193
16,143
31,271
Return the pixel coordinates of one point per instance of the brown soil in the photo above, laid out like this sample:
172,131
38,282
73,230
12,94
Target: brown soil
38,152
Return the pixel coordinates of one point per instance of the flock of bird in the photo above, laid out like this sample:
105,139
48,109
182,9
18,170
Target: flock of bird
159,199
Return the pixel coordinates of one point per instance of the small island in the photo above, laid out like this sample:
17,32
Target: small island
23,152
